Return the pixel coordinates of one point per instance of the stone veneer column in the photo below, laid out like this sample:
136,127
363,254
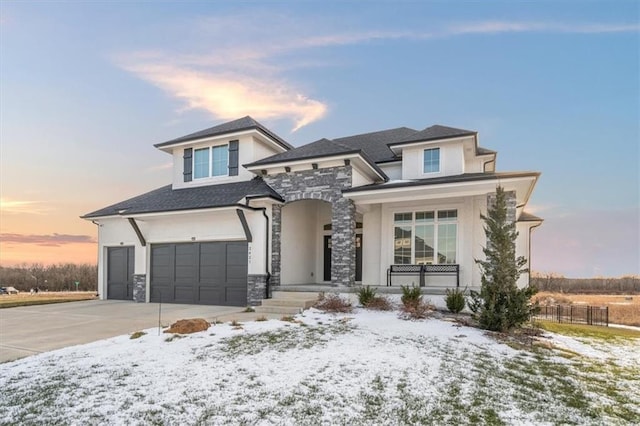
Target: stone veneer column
343,238
511,204
140,288
276,234
324,184
256,289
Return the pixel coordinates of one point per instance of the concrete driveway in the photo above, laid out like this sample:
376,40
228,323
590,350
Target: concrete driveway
30,330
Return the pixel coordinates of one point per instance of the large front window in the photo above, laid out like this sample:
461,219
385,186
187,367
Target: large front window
425,237
431,160
209,162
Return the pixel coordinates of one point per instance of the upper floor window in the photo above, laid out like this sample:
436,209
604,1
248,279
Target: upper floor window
212,161
431,160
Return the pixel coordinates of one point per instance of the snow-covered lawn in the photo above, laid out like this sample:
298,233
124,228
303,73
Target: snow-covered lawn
360,368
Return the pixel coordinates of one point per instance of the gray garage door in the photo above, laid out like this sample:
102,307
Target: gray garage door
120,273
201,273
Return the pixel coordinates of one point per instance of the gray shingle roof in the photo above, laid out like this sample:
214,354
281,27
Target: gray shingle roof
375,144
466,177
435,132
319,148
244,123
167,199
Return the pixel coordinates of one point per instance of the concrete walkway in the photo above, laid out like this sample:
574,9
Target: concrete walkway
30,330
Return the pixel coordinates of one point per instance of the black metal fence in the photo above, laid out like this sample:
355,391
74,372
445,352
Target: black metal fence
580,314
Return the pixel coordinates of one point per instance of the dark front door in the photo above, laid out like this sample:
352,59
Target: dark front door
120,273
202,273
327,257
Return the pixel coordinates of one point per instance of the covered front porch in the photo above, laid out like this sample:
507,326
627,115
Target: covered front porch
308,241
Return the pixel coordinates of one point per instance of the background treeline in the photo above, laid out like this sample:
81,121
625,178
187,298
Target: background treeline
59,277
557,283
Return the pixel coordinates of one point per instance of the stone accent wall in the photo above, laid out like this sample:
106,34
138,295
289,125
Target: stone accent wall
511,204
276,233
256,289
140,288
319,184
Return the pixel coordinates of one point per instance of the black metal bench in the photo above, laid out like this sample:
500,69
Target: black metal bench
422,270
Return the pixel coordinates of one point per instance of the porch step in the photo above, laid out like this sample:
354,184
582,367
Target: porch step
287,303
280,310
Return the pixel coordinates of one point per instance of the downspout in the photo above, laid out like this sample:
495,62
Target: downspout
266,254
531,228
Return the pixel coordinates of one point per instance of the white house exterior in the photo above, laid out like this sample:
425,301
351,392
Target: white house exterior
247,213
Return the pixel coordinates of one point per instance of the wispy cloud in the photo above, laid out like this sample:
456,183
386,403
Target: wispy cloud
249,72
497,27
10,206
53,240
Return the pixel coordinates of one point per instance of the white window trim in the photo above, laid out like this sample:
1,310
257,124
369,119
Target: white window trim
210,175
440,162
413,211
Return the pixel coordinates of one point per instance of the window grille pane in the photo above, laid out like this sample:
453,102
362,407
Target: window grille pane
402,245
424,243
402,218
220,160
447,239
201,163
424,217
447,215
431,160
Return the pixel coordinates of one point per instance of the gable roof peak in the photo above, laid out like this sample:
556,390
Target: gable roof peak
245,123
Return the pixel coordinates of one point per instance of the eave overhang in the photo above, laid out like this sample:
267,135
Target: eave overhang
254,131
356,158
522,183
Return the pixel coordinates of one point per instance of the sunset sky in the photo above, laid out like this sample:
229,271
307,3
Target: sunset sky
87,88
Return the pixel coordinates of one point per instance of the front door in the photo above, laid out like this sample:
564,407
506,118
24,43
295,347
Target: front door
327,257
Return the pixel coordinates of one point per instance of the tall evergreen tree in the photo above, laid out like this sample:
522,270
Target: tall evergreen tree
501,305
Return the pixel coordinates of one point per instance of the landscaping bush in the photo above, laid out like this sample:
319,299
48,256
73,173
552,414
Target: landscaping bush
411,296
334,303
419,310
366,295
379,303
455,300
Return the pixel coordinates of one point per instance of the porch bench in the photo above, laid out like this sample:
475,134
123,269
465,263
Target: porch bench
423,270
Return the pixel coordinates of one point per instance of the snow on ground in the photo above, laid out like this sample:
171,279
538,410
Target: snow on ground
360,368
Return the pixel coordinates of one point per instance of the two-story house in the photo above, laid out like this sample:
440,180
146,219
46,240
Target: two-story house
247,212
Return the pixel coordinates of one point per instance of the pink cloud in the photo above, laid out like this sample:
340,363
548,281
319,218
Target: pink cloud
53,240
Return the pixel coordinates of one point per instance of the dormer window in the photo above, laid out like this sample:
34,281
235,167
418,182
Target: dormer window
431,160
211,162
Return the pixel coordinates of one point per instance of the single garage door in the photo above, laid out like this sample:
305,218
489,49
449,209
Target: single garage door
120,273
202,273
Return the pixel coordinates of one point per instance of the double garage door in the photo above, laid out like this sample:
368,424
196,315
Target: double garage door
196,273
200,273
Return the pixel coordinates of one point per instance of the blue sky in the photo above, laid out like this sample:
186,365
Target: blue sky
86,89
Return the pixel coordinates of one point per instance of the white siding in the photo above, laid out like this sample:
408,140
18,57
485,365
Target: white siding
220,225
451,160
371,249
249,149
298,240
392,170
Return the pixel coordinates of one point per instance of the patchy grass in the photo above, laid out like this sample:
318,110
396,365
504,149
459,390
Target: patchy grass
44,298
369,368
589,331
137,335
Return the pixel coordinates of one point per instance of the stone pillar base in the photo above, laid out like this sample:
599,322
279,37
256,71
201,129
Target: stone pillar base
140,288
256,289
